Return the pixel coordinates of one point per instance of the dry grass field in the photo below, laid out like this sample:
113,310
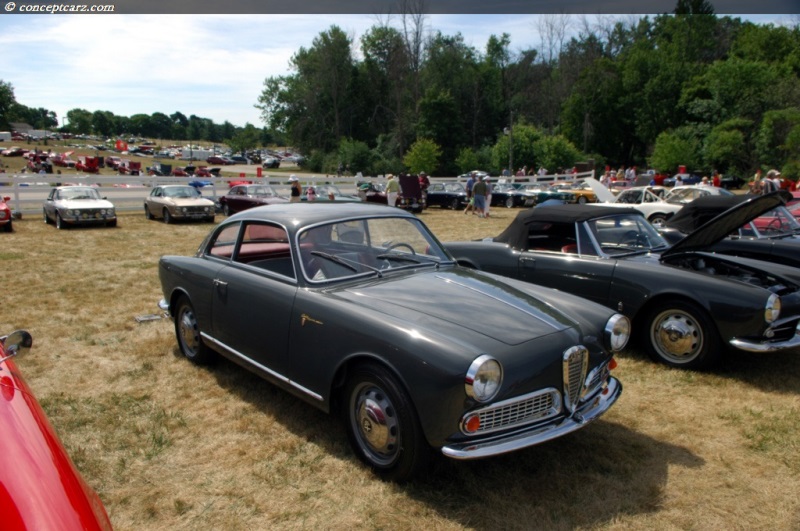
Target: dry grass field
172,446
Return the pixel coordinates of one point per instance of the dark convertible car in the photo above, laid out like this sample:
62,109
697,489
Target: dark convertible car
447,195
763,228
326,302
684,302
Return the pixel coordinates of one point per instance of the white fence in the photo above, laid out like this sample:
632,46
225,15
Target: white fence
28,191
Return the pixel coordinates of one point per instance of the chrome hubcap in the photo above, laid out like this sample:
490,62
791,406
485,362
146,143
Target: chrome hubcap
676,335
188,329
376,424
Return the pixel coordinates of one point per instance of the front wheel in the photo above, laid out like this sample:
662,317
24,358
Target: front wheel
46,218
582,199
226,210
60,222
167,217
188,333
382,425
454,204
509,202
681,334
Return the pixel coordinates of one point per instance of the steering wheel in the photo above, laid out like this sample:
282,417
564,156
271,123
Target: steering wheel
632,237
401,244
775,225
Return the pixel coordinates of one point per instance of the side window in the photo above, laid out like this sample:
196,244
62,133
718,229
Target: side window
266,246
224,242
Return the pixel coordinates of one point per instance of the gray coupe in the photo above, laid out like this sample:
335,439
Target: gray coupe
358,309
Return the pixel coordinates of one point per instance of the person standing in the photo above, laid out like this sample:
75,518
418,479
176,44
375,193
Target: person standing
488,196
470,198
296,190
392,189
716,179
479,195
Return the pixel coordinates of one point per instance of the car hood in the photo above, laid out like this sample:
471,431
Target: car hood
84,203
189,201
466,299
721,226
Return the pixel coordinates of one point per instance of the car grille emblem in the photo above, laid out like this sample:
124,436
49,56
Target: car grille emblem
575,365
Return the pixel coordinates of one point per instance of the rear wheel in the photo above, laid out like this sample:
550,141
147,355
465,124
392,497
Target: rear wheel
382,425
582,199
188,333
681,334
46,219
9,227
226,209
657,220
147,213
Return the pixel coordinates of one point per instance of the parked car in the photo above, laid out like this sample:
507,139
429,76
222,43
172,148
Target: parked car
41,487
766,230
687,303
78,205
583,192
330,192
271,162
245,196
409,198
645,199
63,160
686,178
447,195
178,202
542,192
510,196
6,217
681,195
238,159
216,159
113,162
326,303
732,182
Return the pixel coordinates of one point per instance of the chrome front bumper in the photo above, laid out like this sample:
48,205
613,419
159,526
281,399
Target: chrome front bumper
763,346
539,434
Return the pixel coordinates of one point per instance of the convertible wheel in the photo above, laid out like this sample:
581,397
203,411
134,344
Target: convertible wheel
167,216
657,220
188,334
382,425
509,202
680,334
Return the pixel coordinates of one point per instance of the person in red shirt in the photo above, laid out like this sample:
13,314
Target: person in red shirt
716,180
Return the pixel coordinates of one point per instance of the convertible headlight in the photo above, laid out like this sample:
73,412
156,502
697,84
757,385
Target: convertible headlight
483,378
773,308
617,332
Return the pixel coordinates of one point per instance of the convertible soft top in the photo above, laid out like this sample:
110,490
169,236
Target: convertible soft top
516,234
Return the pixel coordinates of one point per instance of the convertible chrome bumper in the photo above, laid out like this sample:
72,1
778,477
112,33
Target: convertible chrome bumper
537,435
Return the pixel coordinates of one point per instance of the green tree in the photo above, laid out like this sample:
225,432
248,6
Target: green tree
522,140
355,155
104,123
556,151
80,121
423,155
7,100
672,150
467,160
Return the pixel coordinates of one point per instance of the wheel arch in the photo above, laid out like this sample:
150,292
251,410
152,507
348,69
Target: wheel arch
637,322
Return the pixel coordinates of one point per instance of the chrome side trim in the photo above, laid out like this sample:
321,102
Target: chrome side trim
260,367
525,438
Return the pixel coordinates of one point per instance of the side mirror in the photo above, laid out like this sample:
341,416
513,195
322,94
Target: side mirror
16,343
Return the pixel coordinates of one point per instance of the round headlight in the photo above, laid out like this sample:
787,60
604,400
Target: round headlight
483,378
773,308
617,332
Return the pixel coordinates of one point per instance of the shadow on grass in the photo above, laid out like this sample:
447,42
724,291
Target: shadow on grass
591,477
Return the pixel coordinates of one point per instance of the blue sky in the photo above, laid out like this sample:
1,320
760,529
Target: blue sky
210,66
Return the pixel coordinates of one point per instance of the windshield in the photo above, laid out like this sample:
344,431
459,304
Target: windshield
625,234
778,222
181,191
367,247
690,193
78,193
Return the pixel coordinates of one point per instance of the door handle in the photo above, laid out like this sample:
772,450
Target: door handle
220,283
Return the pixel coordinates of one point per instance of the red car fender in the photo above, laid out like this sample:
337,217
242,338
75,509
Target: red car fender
40,488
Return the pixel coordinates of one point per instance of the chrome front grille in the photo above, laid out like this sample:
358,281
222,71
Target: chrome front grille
575,365
515,412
